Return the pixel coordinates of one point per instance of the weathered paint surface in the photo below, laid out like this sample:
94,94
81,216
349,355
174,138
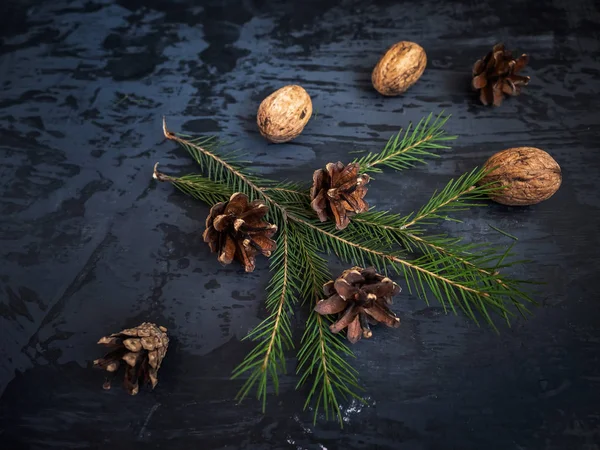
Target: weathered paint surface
89,243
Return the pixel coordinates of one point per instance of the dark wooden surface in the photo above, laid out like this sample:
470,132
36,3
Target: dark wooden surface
91,244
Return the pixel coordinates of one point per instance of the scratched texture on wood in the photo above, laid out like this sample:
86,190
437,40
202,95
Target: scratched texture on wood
90,244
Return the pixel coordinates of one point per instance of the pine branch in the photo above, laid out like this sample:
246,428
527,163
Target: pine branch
273,335
226,170
458,195
409,147
321,355
196,186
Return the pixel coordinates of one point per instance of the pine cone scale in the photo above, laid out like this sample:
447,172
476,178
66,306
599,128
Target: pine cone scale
355,330
328,288
110,341
380,315
340,215
263,243
333,305
132,344
479,66
347,318
344,177
254,215
237,205
487,95
153,378
356,203
345,289
131,380
216,210
228,250
131,358
480,81
385,288
222,222
318,181
520,63
319,204
246,255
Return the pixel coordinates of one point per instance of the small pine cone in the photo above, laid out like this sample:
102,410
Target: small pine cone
360,297
496,75
141,348
236,230
338,192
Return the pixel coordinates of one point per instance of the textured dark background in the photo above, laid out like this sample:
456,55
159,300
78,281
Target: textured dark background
91,244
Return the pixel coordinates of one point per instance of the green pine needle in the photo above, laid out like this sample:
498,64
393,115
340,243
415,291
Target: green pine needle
461,276
409,147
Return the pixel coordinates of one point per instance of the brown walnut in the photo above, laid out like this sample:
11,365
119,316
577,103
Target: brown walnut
528,176
283,115
399,68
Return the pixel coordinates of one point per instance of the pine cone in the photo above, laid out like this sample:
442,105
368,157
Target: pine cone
236,230
360,297
338,192
496,75
142,348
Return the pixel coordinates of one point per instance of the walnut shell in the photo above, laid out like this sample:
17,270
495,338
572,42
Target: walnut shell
399,68
283,115
529,175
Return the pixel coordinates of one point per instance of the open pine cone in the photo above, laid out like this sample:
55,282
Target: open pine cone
360,297
236,230
141,348
338,192
496,75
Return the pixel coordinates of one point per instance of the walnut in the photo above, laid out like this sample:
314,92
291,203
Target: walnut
399,68
528,176
283,115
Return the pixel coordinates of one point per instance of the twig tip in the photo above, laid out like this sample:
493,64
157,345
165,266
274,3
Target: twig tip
166,132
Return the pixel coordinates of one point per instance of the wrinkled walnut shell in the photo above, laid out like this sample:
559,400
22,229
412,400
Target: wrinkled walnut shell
529,176
283,115
399,68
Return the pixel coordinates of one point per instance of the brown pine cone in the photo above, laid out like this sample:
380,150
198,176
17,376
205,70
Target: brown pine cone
360,297
338,192
496,75
142,348
236,230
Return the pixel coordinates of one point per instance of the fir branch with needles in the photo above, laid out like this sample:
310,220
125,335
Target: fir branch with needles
409,147
323,356
461,276
274,335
